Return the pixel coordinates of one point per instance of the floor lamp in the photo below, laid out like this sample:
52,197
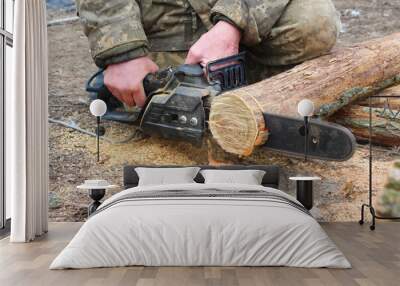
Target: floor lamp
369,205
306,109
98,108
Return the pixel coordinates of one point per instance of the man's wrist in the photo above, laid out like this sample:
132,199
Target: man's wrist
106,60
230,30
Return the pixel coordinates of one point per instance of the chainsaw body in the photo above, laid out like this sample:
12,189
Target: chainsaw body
177,111
177,98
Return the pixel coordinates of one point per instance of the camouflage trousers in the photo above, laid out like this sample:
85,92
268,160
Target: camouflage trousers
303,32
306,30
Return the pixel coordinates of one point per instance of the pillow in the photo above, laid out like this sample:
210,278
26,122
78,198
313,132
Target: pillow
166,176
248,177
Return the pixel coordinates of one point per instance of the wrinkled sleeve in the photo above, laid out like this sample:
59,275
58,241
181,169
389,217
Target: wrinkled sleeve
254,17
114,30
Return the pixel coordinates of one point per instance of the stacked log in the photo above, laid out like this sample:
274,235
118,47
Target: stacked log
385,124
381,100
331,82
385,117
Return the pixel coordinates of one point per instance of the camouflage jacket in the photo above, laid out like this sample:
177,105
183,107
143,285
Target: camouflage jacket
120,30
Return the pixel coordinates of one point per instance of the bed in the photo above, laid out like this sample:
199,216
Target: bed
201,224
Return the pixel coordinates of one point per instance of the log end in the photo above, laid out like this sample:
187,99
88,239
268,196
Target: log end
237,125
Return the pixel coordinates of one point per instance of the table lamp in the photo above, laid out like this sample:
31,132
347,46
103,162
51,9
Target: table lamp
306,109
98,108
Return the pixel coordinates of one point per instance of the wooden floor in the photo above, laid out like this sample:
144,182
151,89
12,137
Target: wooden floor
375,257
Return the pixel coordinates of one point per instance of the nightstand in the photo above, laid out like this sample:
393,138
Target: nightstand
304,190
97,190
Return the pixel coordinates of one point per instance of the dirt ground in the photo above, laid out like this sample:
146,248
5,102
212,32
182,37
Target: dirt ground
72,154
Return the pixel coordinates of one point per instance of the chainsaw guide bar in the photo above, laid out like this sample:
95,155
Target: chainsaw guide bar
326,141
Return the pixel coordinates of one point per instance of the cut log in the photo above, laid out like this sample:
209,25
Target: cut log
332,82
385,124
394,103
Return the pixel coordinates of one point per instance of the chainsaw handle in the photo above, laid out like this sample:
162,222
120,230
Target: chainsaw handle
150,83
230,72
89,86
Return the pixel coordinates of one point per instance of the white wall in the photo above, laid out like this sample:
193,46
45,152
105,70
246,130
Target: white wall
9,9
9,24
9,66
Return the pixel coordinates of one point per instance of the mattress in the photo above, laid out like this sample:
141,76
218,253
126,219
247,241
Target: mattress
201,225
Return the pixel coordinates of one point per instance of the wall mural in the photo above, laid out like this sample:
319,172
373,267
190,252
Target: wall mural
213,133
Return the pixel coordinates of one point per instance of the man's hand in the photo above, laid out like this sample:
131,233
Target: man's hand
221,41
125,80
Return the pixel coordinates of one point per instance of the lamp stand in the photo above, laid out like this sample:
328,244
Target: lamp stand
306,123
98,138
370,173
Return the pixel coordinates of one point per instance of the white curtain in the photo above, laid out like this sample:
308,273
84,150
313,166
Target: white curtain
26,124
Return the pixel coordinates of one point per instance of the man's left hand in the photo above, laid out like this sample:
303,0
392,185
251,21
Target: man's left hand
220,41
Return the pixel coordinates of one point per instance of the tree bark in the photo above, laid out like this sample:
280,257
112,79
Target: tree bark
331,82
385,124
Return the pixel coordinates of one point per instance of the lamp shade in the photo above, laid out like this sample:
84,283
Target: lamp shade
305,108
98,107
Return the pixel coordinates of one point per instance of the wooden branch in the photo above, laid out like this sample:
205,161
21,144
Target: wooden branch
332,82
385,127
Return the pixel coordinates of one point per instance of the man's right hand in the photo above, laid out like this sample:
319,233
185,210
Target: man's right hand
125,80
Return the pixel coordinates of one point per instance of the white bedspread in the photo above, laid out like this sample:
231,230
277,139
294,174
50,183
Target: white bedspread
200,231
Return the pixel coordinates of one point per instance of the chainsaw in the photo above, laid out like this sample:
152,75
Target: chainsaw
178,101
